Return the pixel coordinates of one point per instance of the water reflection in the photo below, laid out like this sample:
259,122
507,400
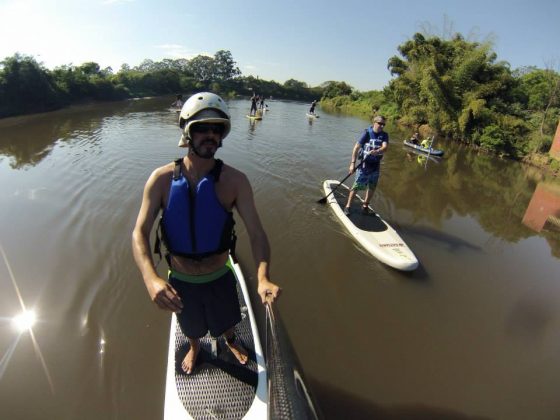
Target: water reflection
24,323
27,140
482,307
543,211
421,158
252,126
543,214
493,192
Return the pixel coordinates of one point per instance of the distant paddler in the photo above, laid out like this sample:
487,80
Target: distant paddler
178,103
254,100
312,108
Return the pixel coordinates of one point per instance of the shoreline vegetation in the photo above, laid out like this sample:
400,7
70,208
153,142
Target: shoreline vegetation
451,88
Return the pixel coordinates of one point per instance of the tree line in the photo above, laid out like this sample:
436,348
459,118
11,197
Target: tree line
26,86
451,87
458,89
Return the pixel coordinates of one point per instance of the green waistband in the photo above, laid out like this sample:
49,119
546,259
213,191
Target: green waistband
201,278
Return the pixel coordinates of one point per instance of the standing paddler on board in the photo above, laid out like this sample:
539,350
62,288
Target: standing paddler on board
371,144
197,195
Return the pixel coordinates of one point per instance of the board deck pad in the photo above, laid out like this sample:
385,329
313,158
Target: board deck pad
218,387
369,222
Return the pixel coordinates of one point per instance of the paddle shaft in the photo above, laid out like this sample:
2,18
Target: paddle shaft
429,152
324,199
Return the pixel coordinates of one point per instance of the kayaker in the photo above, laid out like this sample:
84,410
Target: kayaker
372,144
415,139
426,143
197,195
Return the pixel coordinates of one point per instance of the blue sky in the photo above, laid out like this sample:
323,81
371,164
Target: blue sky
311,41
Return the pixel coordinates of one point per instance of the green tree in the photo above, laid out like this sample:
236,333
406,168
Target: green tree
458,88
225,67
202,68
294,84
26,86
332,89
540,90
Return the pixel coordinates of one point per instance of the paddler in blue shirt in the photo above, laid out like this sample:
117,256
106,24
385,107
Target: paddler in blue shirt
197,195
372,144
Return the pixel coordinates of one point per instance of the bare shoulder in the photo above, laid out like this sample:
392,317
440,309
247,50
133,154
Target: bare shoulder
160,179
234,177
162,173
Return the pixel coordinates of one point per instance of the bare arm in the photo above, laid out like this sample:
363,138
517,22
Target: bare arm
355,151
383,147
160,291
260,247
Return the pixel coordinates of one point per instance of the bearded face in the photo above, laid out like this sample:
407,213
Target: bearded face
206,139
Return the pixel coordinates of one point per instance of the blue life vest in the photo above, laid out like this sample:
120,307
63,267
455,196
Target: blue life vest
194,223
371,163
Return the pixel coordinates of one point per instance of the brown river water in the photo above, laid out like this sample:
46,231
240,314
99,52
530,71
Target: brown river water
472,333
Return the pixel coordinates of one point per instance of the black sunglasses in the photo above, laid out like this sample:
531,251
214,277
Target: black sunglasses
206,127
382,124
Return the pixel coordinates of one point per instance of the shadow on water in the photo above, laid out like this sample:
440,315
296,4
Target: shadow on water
452,242
419,276
337,404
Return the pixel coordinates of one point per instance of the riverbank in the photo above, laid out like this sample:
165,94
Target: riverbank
365,108
543,162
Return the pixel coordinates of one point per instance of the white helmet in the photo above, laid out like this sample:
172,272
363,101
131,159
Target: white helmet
203,107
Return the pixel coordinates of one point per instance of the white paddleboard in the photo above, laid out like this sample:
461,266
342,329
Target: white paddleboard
370,230
219,387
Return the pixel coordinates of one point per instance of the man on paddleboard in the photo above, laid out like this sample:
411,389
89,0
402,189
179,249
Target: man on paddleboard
178,103
254,100
372,143
312,108
197,195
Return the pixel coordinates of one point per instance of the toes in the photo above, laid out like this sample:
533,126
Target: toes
189,362
240,354
244,359
187,368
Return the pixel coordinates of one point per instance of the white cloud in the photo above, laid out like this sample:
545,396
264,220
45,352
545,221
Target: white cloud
180,51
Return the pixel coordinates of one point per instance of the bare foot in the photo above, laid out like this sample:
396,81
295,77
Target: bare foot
238,351
189,361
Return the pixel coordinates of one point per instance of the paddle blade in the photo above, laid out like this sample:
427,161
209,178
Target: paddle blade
322,200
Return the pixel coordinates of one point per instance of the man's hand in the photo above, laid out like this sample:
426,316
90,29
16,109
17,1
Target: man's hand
268,291
164,295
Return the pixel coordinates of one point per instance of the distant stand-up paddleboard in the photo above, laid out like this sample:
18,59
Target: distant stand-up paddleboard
309,115
370,230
